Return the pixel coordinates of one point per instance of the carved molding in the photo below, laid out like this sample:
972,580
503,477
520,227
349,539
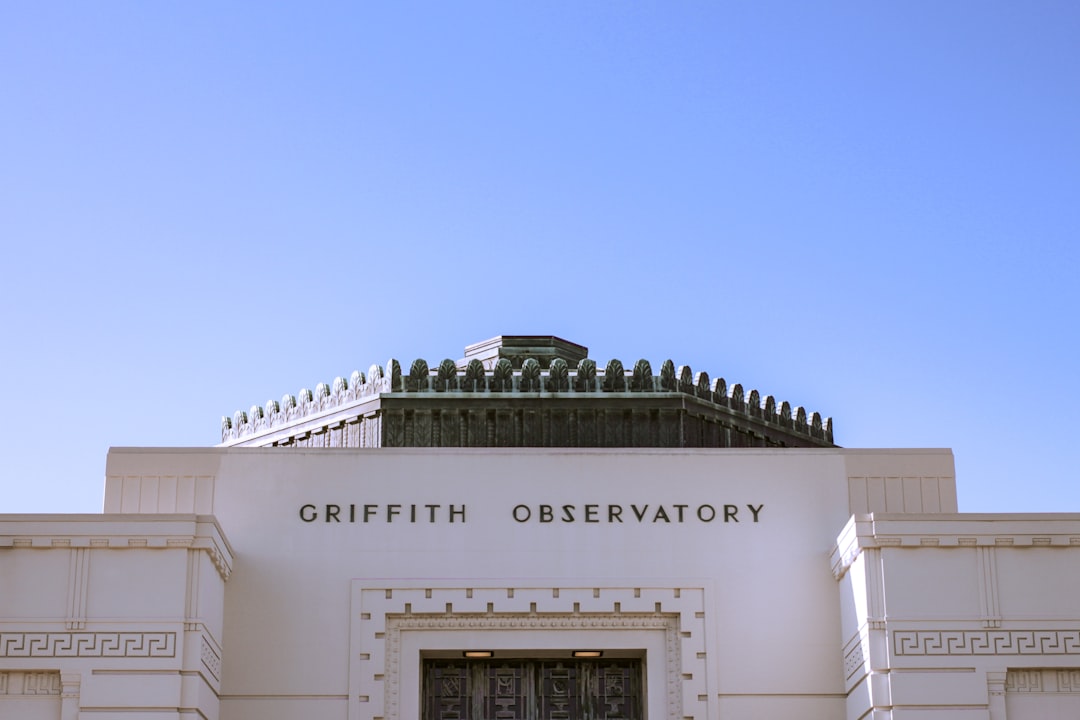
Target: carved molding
988,586
88,644
669,623
986,642
865,532
1024,681
71,685
78,577
30,683
522,621
1068,680
78,573
1043,680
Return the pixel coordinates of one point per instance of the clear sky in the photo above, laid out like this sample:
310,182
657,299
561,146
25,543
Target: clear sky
869,209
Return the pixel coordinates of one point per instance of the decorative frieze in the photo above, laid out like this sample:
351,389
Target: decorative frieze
986,642
87,644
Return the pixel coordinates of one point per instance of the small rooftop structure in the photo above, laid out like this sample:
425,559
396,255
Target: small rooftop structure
519,348
527,391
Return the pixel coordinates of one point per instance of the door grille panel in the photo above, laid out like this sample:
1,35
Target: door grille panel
532,690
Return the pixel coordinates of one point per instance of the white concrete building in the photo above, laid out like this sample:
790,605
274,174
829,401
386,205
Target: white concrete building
730,575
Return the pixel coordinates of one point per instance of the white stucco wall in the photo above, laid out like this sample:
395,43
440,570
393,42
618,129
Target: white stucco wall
913,611
961,616
755,591
111,617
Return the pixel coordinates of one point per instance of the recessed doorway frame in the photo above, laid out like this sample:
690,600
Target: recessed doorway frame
392,626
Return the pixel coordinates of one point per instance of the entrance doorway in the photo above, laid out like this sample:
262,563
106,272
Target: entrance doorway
523,689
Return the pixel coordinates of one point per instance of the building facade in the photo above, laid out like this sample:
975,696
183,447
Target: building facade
536,542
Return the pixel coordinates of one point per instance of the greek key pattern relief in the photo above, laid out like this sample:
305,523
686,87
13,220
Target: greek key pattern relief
88,644
988,642
29,683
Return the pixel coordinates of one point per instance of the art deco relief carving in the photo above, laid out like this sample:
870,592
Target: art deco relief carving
1068,680
502,376
667,376
643,377
1043,680
614,376
211,659
558,376
447,376
585,380
392,381
1023,681
88,644
530,376
855,658
418,376
474,376
701,385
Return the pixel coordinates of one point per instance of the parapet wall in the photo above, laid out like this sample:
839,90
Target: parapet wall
450,406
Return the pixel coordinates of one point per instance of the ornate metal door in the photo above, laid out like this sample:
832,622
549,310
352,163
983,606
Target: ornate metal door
532,690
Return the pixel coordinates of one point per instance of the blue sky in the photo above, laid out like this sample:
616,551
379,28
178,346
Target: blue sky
869,209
